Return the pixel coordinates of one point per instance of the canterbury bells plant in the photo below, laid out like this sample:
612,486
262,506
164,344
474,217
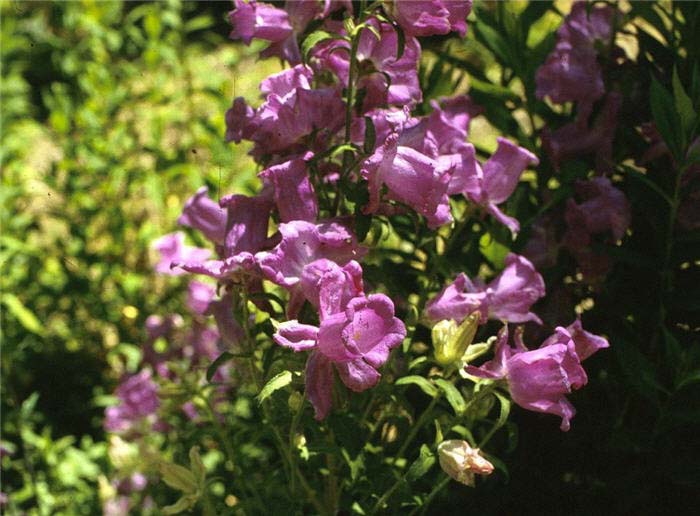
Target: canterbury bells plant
346,342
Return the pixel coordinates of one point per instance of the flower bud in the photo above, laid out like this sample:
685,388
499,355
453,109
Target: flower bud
461,462
451,340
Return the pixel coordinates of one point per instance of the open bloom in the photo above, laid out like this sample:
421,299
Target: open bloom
354,338
508,297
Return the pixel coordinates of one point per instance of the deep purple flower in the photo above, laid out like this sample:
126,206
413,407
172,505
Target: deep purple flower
508,297
294,195
538,380
205,215
138,398
431,17
173,250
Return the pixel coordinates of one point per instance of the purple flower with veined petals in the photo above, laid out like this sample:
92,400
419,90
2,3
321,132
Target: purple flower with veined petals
431,17
173,250
508,297
205,215
538,380
294,195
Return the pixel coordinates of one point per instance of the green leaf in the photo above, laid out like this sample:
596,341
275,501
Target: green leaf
421,465
178,477
663,109
423,383
277,382
494,42
24,315
454,397
684,105
493,251
505,409
220,360
183,504
197,466
314,39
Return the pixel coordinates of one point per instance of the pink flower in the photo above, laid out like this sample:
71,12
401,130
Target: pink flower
430,17
199,295
293,193
138,398
508,297
173,250
538,380
585,343
205,215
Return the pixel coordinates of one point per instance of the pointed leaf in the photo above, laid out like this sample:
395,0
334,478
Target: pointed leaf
277,382
423,383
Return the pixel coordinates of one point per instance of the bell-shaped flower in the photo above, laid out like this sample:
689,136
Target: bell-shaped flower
586,343
538,380
431,17
293,193
411,178
508,297
252,19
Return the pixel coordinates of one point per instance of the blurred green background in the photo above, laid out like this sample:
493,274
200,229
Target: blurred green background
112,115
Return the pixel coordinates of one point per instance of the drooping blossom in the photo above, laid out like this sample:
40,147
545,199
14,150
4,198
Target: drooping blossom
431,17
508,297
586,343
493,184
172,249
462,462
355,336
292,110
540,379
205,215
411,178
384,78
294,195
138,399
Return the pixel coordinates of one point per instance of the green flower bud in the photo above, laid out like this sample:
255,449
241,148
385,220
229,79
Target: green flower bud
295,401
451,340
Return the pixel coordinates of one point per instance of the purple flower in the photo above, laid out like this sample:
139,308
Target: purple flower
538,380
291,111
387,80
411,178
294,195
330,287
205,215
251,19
302,243
199,295
585,343
173,250
230,330
604,209
571,72
430,17
138,398
508,297
495,182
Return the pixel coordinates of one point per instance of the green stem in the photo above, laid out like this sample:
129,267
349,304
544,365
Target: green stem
438,487
383,499
419,424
